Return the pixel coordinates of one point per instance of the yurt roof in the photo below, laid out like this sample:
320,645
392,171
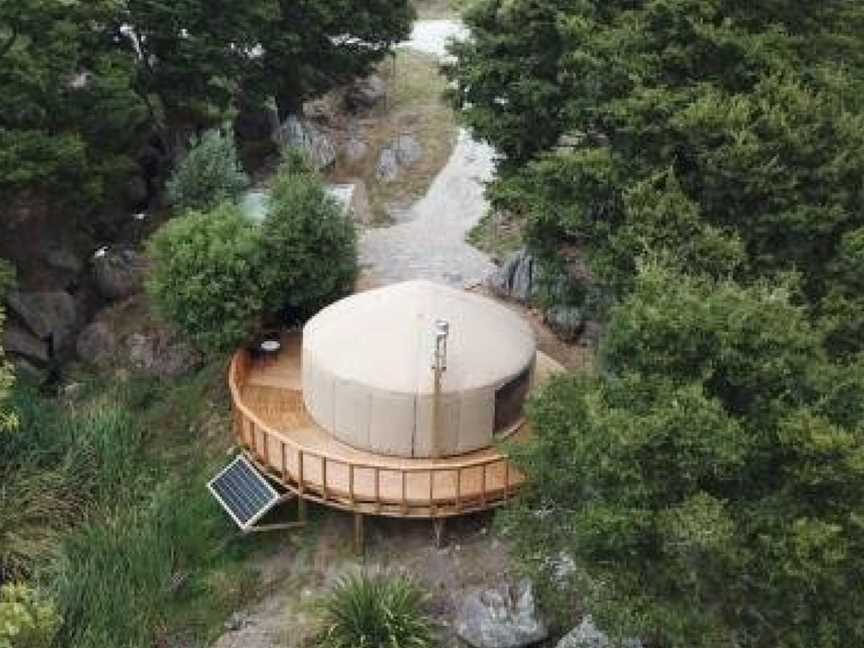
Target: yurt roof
384,338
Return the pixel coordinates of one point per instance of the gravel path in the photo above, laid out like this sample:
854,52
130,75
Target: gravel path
429,241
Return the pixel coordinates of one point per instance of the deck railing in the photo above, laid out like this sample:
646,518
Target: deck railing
430,490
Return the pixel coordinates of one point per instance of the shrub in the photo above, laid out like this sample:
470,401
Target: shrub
27,619
705,488
210,174
206,277
310,246
365,611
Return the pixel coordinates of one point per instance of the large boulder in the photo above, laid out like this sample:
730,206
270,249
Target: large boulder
300,134
46,314
516,278
388,165
118,272
568,322
20,342
160,353
408,150
365,94
586,635
504,616
97,344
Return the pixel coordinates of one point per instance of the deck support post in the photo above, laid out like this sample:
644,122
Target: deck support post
439,527
301,508
359,533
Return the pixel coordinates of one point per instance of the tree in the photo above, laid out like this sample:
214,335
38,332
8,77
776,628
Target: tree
68,118
206,277
209,175
218,276
706,487
731,131
310,245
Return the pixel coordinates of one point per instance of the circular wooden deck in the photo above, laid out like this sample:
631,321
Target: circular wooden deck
272,426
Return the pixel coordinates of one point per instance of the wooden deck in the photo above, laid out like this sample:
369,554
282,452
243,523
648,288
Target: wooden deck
272,426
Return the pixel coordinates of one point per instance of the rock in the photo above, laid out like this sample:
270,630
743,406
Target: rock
586,635
296,133
515,279
21,342
64,260
256,123
567,321
136,192
503,616
408,150
161,354
26,371
96,344
355,151
118,273
46,314
388,165
365,94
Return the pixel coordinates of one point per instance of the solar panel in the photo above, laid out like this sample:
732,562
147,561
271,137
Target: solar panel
243,492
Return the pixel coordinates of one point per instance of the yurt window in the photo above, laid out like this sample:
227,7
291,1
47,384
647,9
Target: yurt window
509,399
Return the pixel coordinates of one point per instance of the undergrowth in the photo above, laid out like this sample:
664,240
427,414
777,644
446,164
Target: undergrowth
103,508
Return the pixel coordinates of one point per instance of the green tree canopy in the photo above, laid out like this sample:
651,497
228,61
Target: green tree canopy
218,276
85,83
206,277
731,133
706,488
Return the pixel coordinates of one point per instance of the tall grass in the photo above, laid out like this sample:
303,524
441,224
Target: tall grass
102,503
371,611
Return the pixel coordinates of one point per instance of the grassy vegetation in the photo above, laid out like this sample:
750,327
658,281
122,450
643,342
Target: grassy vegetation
497,236
364,611
416,107
104,507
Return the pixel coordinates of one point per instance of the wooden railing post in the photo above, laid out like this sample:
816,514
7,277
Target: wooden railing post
323,477
458,490
351,483
483,487
404,493
378,488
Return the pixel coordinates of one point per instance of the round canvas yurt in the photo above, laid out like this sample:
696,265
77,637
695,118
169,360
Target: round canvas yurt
417,369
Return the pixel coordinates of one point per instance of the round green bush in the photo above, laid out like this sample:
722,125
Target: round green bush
206,277
310,246
364,611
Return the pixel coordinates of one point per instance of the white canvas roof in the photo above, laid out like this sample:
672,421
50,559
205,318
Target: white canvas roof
367,367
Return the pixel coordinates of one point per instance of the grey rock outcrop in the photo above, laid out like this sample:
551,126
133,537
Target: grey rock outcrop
96,344
516,278
587,635
365,94
118,273
408,150
567,321
388,165
160,353
21,342
504,616
46,314
300,134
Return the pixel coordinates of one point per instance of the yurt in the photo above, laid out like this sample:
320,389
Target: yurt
417,369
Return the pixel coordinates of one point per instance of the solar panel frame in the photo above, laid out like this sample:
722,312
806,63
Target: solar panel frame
260,507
